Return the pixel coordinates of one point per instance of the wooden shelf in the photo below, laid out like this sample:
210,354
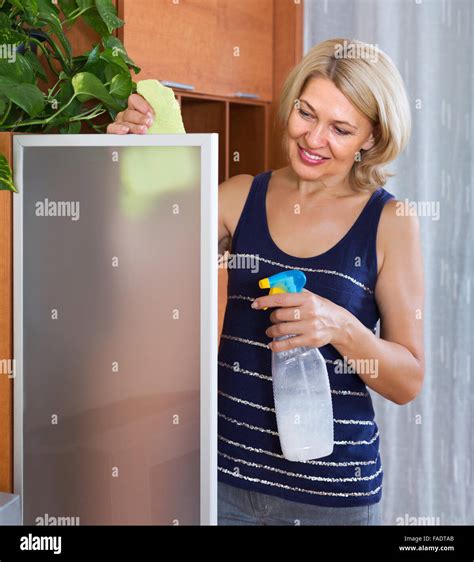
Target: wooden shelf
248,139
241,127
202,115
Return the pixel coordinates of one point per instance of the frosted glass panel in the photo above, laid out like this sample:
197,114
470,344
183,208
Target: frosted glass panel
111,373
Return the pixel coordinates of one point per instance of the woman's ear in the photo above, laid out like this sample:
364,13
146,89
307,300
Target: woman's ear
369,143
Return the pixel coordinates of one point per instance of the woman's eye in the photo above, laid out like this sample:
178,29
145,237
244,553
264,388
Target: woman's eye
303,113
342,132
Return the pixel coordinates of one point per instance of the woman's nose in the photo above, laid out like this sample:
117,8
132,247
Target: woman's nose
317,135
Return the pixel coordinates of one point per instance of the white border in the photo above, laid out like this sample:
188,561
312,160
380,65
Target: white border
209,292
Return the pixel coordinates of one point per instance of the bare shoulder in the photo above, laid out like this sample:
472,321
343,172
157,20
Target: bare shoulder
398,218
398,230
232,196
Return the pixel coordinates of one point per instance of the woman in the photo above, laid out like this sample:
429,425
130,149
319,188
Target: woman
327,214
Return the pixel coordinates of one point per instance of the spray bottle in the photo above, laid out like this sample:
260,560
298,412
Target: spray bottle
301,388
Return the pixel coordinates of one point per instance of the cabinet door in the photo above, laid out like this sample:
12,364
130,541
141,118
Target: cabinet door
115,337
220,47
174,42
245,54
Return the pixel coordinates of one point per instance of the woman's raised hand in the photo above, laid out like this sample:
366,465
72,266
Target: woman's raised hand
135,119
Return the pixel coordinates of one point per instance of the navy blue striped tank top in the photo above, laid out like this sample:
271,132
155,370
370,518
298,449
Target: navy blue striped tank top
249,452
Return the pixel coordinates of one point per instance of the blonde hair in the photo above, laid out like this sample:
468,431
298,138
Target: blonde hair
376,89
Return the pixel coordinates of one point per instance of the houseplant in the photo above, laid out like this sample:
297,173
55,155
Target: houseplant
33,44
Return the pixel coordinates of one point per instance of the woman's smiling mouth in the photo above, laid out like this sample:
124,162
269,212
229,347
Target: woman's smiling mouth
310,158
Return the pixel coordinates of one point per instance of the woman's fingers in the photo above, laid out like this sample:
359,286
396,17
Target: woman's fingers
124,127
136,119
118,128
130,121
139,103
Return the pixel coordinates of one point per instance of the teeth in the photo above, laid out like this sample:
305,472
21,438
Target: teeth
311,156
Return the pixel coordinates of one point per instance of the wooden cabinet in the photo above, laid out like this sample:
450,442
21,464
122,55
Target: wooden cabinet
241,126
172,41
206,115
216,47
245,54
191,42
247,139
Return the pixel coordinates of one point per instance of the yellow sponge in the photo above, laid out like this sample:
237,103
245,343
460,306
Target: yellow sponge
168,118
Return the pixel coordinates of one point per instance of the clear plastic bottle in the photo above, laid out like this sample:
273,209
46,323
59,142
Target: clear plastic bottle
301,389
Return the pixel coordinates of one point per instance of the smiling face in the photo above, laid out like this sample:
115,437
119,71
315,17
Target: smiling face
325,123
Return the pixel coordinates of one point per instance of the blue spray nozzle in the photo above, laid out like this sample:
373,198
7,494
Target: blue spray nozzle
290,281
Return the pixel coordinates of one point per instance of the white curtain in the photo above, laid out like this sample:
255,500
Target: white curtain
427,445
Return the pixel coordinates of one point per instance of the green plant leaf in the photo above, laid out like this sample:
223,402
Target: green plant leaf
93,19
48,13
84,4
114,57
35,65
87,86
116,46
17,4
108,14
71,128
94,64
60,122
111,70
30,8
5,21
27,96
20,71
67,7
74,128
73,109
121,86
6,179
53,124
9,36
78,63
63,98
93,55
3,104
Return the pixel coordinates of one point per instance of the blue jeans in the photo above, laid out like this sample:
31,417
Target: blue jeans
237,506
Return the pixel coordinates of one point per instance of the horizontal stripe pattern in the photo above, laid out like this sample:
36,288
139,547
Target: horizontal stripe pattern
273,432
299,489
281,265
265,474
301,475
249,451
310,462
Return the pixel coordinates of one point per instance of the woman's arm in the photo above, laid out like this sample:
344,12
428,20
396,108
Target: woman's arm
398,353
